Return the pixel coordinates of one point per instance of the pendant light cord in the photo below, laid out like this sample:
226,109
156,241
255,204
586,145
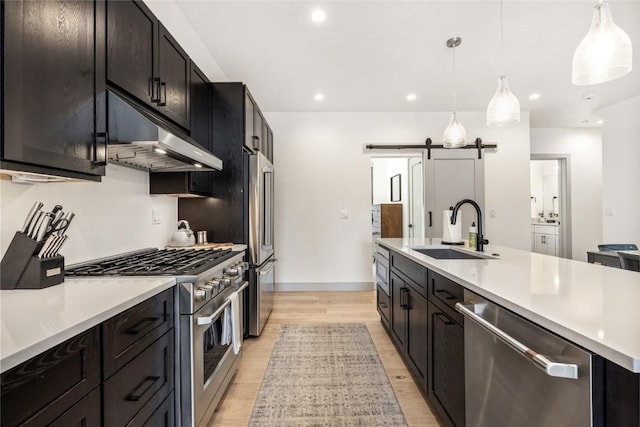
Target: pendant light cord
454,79
502,40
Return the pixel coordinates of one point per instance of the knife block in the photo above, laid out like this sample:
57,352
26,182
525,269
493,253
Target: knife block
22,269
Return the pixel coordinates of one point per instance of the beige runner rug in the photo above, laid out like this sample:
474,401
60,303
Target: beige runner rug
325,375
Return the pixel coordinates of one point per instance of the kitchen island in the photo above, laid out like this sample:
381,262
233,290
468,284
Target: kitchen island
588,305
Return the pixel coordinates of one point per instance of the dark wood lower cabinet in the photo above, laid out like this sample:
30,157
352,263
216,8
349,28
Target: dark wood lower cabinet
61,387
446,363
41,389
85,413
409,325
141,385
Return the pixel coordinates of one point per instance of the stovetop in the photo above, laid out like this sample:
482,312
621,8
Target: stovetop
153,262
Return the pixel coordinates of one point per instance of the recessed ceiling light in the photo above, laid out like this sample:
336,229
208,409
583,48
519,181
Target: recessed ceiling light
411,97
534,96
319,97
600,122
198,165
318,15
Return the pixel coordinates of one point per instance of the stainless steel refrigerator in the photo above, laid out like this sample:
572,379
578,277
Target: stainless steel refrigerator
261,245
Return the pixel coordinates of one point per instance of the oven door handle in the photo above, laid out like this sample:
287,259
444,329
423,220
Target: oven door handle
207,320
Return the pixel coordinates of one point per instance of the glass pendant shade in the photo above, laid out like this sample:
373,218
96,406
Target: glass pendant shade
504,108
454,135
605,52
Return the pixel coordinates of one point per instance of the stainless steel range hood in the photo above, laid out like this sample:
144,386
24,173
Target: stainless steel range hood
142,140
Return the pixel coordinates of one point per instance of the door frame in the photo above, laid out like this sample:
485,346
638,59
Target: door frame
564,172
411,201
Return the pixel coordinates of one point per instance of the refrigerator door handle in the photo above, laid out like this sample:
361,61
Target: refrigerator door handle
267,240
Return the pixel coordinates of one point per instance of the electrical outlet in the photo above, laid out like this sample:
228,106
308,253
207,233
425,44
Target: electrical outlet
344,214
155,217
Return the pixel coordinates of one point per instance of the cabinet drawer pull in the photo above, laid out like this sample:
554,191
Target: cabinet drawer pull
444,293
134,397
444,318
136,329
383,305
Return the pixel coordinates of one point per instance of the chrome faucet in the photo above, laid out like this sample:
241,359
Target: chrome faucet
481,240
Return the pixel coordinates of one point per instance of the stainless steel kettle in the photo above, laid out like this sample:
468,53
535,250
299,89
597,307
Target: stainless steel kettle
183,236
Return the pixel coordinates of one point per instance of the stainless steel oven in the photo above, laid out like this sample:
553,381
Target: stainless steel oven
208,360
381,257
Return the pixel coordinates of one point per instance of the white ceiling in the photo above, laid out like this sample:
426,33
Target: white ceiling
368,55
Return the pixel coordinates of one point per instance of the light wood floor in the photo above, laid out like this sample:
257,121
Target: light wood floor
316,307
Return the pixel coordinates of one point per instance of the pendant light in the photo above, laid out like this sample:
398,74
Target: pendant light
504,108
605,52
454,135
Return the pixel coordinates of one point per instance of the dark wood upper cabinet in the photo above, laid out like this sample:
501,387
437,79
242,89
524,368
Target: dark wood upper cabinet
54,116
191,183
174,73
145,61
201,121
132,38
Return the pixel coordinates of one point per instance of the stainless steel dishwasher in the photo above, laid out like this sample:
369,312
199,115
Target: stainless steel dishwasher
520,375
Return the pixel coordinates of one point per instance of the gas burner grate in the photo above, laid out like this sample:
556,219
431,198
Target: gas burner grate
153,262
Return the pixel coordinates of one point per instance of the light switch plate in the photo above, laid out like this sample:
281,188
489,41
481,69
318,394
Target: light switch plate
155,217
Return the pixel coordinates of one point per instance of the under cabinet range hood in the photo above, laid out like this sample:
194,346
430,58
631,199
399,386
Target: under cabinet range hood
139,139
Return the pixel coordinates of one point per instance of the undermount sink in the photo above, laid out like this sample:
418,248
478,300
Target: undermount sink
447,253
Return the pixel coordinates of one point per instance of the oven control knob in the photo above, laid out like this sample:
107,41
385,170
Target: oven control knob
234,270
200,294
214,286
225,281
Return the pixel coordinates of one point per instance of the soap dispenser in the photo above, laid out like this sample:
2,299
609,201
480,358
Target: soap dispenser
473,236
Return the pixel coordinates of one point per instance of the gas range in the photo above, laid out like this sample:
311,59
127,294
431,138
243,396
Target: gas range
201,273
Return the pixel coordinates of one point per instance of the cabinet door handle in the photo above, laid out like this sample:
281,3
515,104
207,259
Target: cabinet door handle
383,305
136,329
430,219
445,319
136,395
446,294
162,90
96,159
405,292
256,142
155,96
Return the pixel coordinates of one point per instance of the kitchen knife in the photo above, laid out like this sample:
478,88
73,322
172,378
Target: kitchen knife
35,208
58,245
56,218
34,224
44,226
47,246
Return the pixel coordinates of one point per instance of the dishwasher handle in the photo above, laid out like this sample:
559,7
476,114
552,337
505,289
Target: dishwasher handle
553,369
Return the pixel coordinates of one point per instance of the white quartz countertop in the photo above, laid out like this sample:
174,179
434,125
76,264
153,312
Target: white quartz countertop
34,320
593,306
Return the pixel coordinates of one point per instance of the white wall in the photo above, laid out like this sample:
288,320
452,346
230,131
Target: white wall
112,217
584,145
322,168
621,172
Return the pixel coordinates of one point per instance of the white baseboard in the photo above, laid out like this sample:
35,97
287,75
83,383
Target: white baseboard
324,286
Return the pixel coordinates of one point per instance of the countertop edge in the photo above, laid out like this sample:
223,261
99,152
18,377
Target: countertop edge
630,363
11,361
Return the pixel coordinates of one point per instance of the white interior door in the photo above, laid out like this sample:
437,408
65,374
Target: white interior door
451,176
416,198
